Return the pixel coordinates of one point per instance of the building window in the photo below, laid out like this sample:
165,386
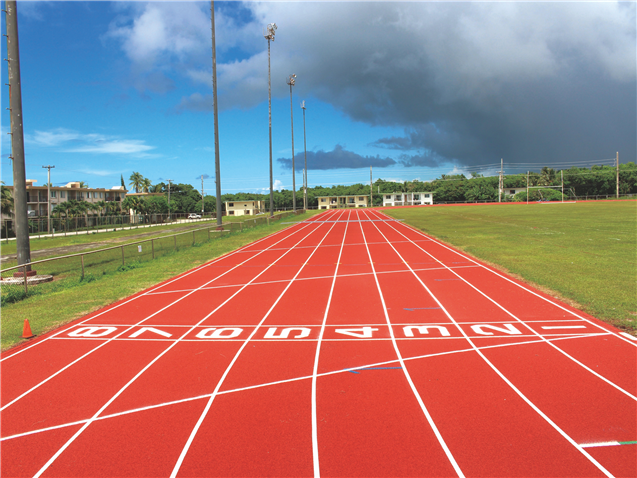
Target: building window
426,195
362,198
230,204
62,194
231,213
52,194
399,198
323,200
512,191
388,197
416,197
101,195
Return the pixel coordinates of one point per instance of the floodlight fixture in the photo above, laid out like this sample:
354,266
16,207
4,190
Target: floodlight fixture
270,31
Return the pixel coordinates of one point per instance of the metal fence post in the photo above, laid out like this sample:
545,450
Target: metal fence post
175,238
241,226
193,238
26,287
152,245
123,260
82,257
208,234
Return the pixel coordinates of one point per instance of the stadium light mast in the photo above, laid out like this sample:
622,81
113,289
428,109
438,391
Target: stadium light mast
305,168
271,29
216,119
290,81
23,246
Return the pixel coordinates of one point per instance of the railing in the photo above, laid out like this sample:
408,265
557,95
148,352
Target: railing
88,266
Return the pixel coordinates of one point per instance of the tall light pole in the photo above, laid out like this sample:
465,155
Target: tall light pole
290,81
169,181
23,247
216,117
271,28
48,201
305,168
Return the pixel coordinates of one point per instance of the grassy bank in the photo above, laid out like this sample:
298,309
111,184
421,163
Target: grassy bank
63,301
584,252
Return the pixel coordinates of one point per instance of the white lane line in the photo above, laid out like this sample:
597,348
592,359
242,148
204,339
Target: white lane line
505,379
124,332
414,390
131,381
315,451
268,384
556,327
601,443
203,415
154,288
618,335
628,336
505,310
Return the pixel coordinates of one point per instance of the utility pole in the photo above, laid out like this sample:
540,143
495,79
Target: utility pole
371,188
169,181
216,116
305,168
617,165
501,182
290,81
48,192
202,207
23,247
271,28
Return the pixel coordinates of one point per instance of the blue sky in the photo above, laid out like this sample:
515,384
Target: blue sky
416,89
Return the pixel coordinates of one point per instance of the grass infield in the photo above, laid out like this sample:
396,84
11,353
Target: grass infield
71,299
583,253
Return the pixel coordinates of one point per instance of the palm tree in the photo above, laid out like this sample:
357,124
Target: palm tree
137,181
146,185
7,200
83,184
99,206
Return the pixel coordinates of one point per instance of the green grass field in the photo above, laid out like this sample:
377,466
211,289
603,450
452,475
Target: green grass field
65,300
584,252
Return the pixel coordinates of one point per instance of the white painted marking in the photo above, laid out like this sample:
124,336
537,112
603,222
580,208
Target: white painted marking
362,333
214,333
270,334
628,336
150,329
92,331
507,329
424,329
555,327
601,443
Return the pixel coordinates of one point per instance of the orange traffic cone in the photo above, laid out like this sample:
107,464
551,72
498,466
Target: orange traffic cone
26,330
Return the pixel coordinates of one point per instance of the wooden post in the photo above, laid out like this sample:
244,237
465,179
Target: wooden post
617,164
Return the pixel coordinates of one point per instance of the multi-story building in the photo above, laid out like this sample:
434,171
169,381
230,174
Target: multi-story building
37,199
407,199
335,202
244,208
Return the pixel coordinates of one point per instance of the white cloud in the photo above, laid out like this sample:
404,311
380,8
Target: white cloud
69,141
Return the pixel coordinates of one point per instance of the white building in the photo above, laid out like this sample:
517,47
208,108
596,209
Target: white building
407,199
335,202
244,208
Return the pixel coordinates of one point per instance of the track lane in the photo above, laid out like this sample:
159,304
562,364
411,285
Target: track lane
529,413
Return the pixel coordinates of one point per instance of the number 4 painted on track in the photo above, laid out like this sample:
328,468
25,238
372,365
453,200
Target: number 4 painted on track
362,333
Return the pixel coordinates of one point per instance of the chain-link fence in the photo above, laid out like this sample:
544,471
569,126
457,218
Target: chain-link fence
61,272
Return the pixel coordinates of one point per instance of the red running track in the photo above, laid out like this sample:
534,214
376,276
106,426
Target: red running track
346,345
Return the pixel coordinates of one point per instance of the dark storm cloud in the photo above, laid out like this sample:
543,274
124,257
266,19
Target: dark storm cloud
339,158
467,82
